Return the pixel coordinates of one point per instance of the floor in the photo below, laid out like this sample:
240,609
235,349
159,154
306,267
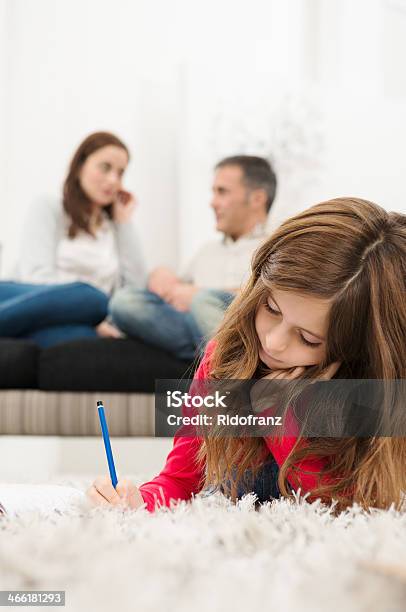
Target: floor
210,555
41,458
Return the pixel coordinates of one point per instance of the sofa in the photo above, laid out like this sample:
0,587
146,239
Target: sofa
54,391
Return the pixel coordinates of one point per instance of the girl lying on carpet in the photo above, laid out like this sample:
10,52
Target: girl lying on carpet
326,299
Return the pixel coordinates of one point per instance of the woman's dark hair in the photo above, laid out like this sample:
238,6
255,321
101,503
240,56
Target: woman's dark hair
75,202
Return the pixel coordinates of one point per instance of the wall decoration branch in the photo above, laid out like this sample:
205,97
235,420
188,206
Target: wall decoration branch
286,129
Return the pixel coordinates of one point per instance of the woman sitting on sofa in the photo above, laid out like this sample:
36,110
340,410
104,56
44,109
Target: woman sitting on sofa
75,252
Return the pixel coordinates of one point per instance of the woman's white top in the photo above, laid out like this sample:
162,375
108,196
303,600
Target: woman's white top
109,259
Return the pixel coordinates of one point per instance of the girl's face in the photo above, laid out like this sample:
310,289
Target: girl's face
291,329
101,174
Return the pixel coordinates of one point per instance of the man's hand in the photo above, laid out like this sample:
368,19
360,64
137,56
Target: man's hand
125,495
161,281
181,296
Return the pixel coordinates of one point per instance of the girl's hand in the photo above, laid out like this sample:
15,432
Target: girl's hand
123,207
260,398
125,495
297,372
290,374
330,371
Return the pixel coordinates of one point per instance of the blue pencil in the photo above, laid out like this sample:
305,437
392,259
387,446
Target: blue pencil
107,445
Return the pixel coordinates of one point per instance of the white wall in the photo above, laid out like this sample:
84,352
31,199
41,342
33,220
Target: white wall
75,67
363,93
3,104
320,84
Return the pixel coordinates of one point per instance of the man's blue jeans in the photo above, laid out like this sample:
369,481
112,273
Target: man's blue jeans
145,315
49,314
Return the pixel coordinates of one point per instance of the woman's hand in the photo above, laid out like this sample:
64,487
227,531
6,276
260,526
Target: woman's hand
123,207
125,495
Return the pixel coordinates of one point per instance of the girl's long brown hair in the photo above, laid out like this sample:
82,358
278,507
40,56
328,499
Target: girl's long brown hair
76,204
352,252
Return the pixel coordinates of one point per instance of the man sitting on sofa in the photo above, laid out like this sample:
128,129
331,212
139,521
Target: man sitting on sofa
179,313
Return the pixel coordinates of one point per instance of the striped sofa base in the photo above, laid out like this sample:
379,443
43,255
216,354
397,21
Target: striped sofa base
48,413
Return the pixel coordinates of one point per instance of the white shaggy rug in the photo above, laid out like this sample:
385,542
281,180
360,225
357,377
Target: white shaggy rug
210,555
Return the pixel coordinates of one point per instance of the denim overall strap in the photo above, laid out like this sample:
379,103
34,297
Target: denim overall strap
264,484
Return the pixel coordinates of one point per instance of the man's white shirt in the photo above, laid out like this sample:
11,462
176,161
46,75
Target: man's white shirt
225,263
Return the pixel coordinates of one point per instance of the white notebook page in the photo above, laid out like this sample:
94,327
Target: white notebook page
17,499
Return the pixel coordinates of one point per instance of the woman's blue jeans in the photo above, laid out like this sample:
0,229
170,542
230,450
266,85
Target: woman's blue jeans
49,314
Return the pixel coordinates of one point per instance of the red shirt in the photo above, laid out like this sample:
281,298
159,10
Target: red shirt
182,476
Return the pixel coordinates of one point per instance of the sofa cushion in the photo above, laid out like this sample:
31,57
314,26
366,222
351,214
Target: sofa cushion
18,364
106,364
